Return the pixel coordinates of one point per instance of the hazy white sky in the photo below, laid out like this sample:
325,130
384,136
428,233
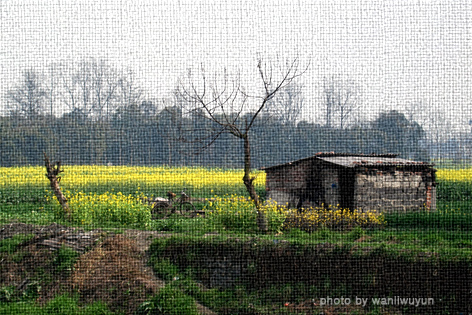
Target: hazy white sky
400,52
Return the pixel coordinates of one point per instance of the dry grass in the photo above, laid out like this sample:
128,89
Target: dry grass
114,273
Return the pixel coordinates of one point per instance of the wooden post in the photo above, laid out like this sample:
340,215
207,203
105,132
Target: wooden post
52,172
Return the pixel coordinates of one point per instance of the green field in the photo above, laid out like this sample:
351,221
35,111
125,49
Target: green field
110,197
26,197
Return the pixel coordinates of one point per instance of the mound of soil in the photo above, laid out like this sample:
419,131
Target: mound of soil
32,268
114,272
109,267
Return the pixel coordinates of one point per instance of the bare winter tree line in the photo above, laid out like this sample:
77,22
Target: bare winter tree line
90,89
200,111
95,90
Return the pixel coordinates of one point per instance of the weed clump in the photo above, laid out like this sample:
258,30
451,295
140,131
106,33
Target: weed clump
239,214
169,301
108,209
333,218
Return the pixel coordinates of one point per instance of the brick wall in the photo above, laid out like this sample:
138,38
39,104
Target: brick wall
286,184
393,191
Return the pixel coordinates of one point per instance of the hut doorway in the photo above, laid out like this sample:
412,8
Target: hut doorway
346,189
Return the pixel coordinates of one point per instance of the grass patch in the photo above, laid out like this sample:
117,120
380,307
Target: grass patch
179,224
10,245
61,305
448,219
164,269
29,213
169,301
275,291
65,259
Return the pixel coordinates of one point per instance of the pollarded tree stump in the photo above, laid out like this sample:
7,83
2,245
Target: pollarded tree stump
52,174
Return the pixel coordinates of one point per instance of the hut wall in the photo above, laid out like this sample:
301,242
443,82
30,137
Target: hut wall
393,191
331,190
288,184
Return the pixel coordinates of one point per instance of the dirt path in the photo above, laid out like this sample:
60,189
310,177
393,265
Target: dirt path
143,241
111,267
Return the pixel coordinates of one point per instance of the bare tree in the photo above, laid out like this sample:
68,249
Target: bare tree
91,89
28,99
287,105
231,110
328,93
77,85
433,120
341,99
105,82
130,95
171,124
68,92
52,87
83,79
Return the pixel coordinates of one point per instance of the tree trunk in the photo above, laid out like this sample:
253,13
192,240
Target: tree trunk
52,172
249,183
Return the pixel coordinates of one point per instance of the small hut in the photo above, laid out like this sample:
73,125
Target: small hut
380,182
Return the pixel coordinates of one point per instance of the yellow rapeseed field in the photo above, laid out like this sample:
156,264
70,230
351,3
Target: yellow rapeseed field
459,175
108,207
333,217
77,178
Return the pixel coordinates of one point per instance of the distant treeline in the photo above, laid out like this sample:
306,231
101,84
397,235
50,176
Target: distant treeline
167,137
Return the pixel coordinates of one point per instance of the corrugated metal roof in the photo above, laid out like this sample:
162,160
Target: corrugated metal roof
369,161
358,160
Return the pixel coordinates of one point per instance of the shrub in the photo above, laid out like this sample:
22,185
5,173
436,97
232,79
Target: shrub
169,301
65,258
7,293
239,214
109,209
333,218
165,269
9,245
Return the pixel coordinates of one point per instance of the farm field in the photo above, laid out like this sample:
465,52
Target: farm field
110,198
25,194
28,184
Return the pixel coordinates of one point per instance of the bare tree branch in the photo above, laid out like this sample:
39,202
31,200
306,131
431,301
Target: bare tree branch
28,98
227,106
341,100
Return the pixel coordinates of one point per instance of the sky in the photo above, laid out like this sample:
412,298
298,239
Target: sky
399,52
